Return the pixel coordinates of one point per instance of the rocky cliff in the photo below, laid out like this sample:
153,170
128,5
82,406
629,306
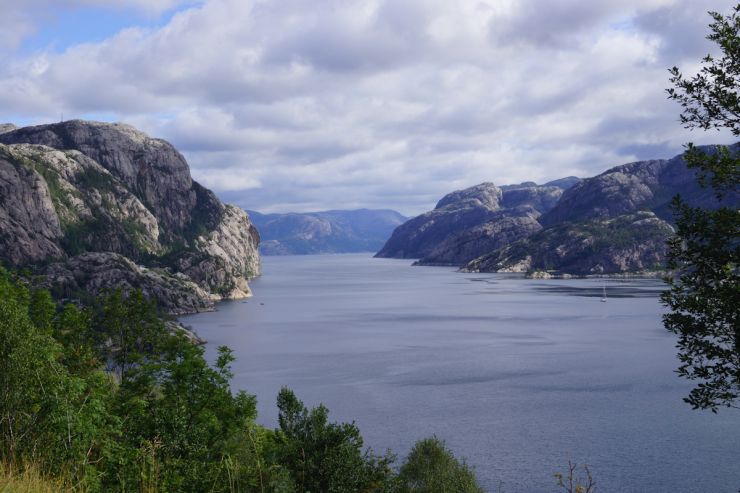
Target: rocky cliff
627,243
615,222
612,223
647,185
471,222
336,231
90,204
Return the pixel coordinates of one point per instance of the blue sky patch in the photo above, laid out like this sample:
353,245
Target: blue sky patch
59,28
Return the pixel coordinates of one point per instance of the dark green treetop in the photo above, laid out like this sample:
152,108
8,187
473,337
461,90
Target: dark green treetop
704,254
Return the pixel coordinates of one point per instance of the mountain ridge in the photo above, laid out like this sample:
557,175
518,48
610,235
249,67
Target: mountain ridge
467,223
615,222
331,231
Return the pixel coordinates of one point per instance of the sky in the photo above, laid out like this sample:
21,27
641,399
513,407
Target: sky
305,105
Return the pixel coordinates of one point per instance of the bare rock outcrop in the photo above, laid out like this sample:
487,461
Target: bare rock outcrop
616,222
503,229
94,272
643,185
74,189
29,226
471,222
150,168
627,243
224,259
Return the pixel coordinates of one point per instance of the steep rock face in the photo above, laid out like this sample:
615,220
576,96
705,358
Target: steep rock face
91,273
540,198
564,183
226,258
151,168
59,203
502,229
626,243
468,223
93,210
615,222
643,185
29,226
335,231
456,212
617,191
483,196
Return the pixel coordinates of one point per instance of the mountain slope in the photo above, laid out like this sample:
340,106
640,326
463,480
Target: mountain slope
76,188
647,185
335,231
626,243
471,222
614,222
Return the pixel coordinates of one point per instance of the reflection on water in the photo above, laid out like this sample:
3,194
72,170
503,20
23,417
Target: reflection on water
634,288
518,375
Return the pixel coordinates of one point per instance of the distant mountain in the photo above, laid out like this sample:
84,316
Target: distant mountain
615,222
336,231
90,206
472,222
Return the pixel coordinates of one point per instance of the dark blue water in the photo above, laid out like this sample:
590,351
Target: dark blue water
518,376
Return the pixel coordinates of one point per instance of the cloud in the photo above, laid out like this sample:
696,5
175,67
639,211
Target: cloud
681,28
21,19
294,105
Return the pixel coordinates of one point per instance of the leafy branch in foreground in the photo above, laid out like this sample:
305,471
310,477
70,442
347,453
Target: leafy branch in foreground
704,254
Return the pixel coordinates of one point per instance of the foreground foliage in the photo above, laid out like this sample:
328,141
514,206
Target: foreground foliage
108,399
705,252
431,468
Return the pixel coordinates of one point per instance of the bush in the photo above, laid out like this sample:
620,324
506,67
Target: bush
432,468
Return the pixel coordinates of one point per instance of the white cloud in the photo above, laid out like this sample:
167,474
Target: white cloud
287,105
228,179
20,19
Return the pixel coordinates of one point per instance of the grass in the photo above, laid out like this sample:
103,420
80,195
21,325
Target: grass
31,480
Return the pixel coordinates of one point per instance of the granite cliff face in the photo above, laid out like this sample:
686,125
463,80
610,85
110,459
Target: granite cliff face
627,243
30,230
643,185
615,222
471,222
335,231
107,194
92,272
151,169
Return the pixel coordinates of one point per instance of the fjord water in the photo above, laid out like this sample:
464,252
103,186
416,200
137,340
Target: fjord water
517,375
